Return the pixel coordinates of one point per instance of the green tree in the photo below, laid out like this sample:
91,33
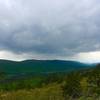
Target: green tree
72,87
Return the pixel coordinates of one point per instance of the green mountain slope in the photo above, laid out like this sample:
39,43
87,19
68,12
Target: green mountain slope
40,66
76,85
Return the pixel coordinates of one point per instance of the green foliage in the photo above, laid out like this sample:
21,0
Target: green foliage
40,66
84,83
49,92
80,85
72,86
2,75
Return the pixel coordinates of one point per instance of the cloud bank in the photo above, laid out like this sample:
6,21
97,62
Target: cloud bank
49,29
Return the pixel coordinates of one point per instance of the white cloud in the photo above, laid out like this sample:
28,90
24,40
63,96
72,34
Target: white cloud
88,57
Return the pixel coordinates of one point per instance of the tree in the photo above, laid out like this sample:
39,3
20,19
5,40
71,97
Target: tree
72,87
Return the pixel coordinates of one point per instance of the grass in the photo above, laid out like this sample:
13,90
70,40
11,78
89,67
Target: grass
50,92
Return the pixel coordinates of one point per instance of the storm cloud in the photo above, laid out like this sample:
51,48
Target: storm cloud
53,28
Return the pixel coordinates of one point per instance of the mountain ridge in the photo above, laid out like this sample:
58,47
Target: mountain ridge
40,66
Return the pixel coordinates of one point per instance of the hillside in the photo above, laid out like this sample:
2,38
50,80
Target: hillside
40,66
77,85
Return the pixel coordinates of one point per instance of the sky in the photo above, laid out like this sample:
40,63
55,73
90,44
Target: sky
50,29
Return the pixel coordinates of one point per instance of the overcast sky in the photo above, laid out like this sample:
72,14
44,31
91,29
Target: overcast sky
50,29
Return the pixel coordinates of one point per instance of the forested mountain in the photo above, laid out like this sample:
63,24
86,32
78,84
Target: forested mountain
40,66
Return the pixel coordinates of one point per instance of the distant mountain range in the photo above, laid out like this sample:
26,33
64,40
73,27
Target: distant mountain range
40,66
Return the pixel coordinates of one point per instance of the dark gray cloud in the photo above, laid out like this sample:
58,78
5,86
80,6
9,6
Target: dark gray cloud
50,27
